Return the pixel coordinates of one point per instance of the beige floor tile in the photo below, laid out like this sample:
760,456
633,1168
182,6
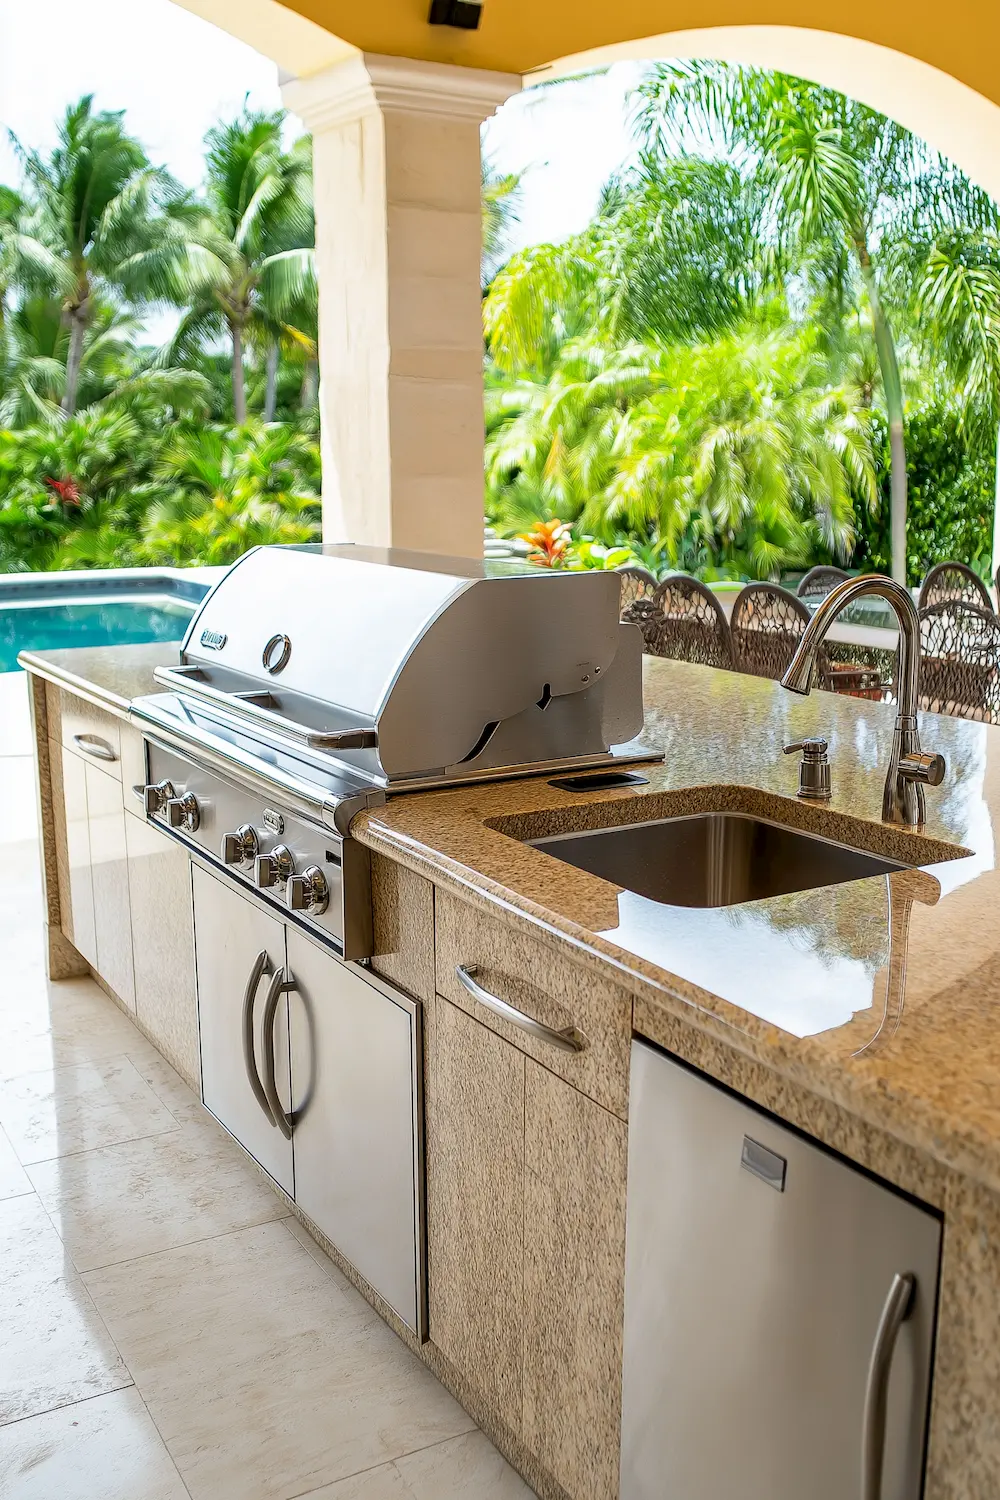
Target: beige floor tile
382,1483
62,1110
15,714
103,1449
18,808
13,1178
142,1196
319,1255
166,1083
54,1346
265,1376
462,1468
466,1468
63,1023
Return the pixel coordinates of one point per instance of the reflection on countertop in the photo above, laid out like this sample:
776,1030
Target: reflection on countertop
110,676
883,994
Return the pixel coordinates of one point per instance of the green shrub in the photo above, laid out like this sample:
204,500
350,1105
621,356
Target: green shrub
950,502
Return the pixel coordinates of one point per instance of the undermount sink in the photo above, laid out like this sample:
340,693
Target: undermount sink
712,859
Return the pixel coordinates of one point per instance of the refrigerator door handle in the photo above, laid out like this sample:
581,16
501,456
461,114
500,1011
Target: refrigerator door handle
261,966
281,984
897,1308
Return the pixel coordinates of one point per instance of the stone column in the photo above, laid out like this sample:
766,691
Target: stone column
396,160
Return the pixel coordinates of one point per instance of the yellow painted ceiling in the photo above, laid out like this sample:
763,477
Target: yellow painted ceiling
962,38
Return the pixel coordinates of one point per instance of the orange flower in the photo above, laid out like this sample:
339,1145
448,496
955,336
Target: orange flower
549,542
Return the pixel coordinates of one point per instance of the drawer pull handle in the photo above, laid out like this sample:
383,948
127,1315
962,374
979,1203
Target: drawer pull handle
569,1040
92,744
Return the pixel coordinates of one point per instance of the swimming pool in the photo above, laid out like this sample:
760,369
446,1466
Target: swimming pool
88,622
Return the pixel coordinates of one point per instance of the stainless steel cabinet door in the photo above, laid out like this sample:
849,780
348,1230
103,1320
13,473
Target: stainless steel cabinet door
758,1270
159,888
240,952
355,1079
80,929
109,872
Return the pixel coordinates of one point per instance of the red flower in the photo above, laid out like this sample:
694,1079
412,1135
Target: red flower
67,489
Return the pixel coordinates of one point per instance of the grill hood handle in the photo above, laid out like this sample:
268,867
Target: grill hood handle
182,680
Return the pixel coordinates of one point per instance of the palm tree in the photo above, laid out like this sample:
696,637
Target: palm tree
842,181
11,209
675,252
957,301
113,370
98,224
249,265
501,196
734,454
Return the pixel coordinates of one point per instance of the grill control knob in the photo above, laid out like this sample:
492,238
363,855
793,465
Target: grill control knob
184,812
155,797
272,869
241,846
308,891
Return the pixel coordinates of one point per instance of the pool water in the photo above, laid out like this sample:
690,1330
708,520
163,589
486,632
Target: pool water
119,622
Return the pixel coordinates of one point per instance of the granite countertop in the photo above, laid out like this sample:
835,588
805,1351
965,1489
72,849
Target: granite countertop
882,994
110,676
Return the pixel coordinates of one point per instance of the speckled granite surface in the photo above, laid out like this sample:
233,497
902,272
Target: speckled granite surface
881,995
110,676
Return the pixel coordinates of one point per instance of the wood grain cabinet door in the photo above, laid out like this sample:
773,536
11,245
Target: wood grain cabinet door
475,1195
78,921
166,1002
109,873
575,1163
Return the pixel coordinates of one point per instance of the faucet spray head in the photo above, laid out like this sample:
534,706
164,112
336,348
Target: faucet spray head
798,677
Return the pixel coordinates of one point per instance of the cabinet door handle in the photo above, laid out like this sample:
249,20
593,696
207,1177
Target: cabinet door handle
569,1040
261,966
280,985
92,744
898,1306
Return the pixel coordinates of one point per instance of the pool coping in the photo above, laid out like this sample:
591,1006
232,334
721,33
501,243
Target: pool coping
89,586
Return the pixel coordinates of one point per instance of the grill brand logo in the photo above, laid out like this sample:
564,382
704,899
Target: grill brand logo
213,640
273,821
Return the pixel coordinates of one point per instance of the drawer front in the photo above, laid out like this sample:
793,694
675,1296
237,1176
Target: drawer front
92,733
77,896
524,972
109,876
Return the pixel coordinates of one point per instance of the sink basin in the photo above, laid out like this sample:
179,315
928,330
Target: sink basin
712,859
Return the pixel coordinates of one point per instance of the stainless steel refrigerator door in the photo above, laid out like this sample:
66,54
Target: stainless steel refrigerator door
230,934
355,1045
753,1296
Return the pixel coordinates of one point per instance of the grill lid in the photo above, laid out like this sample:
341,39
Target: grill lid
437,666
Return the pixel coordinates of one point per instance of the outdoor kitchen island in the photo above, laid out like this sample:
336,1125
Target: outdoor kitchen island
862,1013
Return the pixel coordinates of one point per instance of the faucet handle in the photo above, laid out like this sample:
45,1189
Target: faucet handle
812,749
923,766
814,768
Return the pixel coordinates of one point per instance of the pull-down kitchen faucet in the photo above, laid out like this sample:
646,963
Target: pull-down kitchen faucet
909,768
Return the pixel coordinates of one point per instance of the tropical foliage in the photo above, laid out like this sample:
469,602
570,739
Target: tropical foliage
114,452
718,371
777,342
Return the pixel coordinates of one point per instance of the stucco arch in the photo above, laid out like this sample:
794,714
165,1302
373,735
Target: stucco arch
953,117
932,71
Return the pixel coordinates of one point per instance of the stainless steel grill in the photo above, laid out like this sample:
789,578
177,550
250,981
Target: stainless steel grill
318,680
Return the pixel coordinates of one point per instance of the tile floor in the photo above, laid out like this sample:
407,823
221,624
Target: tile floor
166,1331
